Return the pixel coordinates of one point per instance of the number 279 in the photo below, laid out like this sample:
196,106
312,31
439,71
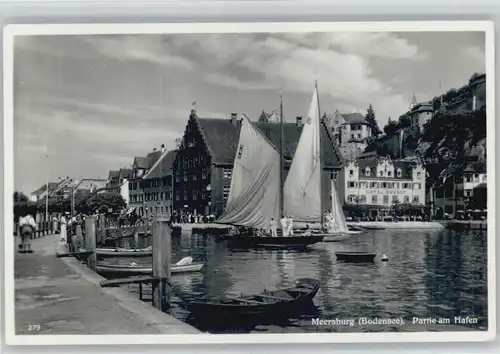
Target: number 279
33,327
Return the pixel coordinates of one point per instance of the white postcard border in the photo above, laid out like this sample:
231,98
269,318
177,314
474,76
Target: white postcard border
250,27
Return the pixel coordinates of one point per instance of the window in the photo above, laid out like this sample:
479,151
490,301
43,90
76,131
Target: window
195,195
476,177
399,173
416,185
416,199
468,178
362,199
359,136
419,175
395,185
204,174
228,172
468,192
386,199
395,199
362,184
367,171
389,173
374,199
185,195
177,178
333,176
373,184
407,199
185,176
384,184
352,136
351,198
352,184
351,172
484,178
194,177
226,192
381,174
406,186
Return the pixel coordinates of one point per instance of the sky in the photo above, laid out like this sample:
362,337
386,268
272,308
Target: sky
94,102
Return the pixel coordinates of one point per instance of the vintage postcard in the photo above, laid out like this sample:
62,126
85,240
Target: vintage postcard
279,182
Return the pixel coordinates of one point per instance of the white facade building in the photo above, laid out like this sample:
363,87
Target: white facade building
378,184
124,191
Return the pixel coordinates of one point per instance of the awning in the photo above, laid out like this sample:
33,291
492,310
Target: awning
130,210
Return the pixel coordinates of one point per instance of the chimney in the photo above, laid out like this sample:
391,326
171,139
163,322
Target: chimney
234,118
299,121
162,148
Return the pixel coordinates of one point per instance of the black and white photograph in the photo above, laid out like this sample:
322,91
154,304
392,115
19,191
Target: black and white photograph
279,182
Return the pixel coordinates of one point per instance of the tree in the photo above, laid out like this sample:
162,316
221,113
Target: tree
103,202
391,127
372,121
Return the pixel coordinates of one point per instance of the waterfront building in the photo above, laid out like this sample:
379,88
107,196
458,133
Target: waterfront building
459,187
203,166
378,186
349,131
136,190
40,193
157,185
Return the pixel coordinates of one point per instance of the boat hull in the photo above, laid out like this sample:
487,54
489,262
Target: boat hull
335,238
141,270
356,257
273,242
112,252
255,305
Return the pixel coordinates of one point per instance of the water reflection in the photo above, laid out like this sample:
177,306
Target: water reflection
439,273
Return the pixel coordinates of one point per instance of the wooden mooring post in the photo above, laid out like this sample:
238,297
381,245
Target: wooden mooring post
90,240
101,235
162,259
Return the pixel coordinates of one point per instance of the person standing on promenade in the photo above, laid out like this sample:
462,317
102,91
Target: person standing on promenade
273,227
64,229
27,228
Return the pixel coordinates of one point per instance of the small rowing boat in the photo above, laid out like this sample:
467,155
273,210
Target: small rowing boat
267,304
185,265
356,257
124,252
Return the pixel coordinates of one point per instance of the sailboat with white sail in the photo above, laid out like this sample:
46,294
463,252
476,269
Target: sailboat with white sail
303,187
256,194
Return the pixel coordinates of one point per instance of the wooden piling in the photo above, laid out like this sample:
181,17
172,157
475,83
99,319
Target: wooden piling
101,236
90,238
162,247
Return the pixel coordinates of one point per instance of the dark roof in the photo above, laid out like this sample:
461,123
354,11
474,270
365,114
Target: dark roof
140,162
162,167
477,167
52,186
371,163
352,118
114,174
148,161
221,137
125,172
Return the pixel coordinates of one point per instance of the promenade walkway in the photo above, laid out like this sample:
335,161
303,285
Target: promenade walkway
63,296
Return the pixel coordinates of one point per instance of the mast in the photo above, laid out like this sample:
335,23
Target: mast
282,161
320,158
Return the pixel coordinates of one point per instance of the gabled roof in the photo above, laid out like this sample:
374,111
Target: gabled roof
163,166
91,184
268,117
52,186
222,136
353,118
372,163
113,174
125,173
140,162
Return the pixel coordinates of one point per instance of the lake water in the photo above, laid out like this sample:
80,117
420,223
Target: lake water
437,274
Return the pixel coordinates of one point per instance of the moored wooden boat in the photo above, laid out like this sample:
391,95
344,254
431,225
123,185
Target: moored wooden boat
298,241
266,304
131,270
124,252
355,256
372,227
335,238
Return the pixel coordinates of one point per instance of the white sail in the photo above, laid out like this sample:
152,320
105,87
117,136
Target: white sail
254,195
302,191
337,212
